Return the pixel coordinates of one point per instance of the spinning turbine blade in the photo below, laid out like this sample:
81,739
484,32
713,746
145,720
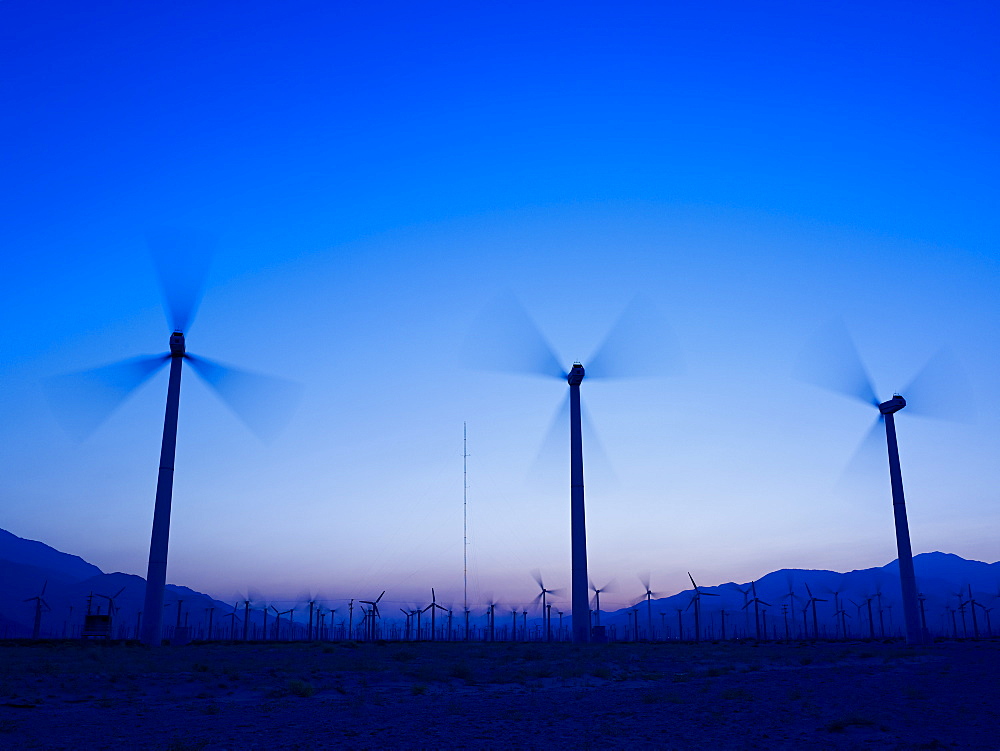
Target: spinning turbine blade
941,390
263,403
865,469
639,345
181,258
553,449
83,400
831,361
505,339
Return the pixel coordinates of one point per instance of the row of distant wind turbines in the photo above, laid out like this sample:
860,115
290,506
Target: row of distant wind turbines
182,295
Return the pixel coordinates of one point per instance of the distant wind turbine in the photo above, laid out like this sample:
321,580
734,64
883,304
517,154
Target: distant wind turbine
40,603
696,602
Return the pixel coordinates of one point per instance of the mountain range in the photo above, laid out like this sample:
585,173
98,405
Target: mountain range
859,603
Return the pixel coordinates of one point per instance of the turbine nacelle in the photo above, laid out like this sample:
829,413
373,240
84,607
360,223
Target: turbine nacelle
575,376
177,344
893,405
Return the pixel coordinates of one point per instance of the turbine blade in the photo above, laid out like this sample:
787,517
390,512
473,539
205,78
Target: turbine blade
263,403
594,454
181,258
537,576
552,458
82,401
868,463
831,361
639,344
504,338
941,390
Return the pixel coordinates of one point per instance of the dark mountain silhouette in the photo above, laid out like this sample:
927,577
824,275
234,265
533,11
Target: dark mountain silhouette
72,587
33,553
943,579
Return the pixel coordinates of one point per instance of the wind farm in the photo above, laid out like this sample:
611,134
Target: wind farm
556,335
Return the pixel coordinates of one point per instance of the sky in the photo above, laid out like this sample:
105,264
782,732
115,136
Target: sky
378,175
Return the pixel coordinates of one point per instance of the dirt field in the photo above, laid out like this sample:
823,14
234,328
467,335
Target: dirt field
309,696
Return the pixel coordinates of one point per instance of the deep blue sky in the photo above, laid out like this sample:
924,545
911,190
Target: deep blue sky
378,173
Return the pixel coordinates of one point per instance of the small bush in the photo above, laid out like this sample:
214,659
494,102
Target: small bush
838,726
301,688
418,689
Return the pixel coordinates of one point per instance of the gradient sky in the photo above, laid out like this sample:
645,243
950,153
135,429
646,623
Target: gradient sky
379,173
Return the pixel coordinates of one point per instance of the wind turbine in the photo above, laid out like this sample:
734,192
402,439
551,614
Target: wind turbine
649,595
836,365
597,599
433,607
542,595
610,360
39,604
811,602
183,260
372,614
756,602
696,601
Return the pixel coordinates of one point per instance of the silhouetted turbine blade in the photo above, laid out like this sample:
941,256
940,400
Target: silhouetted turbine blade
941,390
869,464
553,452
82,401
181,258
831,361
504,338
595,456
640,344
537,576
263,403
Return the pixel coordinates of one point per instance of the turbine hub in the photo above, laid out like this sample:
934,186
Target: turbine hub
177,344
575,377
893,405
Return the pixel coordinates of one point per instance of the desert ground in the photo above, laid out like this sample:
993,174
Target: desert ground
856,695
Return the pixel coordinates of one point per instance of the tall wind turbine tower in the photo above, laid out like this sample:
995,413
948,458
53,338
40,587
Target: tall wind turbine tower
638,345
182,259
579,596
836,365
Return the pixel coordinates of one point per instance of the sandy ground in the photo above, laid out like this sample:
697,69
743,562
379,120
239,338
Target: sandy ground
308,696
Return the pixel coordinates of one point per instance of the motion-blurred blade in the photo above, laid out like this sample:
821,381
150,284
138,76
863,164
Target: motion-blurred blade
537,576
941,390
181,258
596,461
644,578
868,465
552,458
831,361
504,338
264,403
640,344
82,401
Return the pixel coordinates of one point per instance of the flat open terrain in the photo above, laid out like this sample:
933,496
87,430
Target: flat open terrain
398,695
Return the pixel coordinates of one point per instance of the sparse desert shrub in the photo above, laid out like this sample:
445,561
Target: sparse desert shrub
838,726
404,655
200,668
302,688
736,694
461,671
418,689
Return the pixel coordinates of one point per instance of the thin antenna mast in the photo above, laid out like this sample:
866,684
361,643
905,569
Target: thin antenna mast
465,525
